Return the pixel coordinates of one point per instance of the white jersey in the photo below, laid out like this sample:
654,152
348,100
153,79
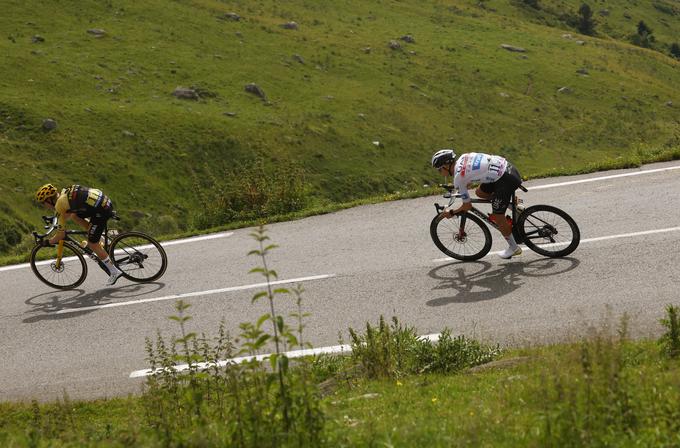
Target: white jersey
477,167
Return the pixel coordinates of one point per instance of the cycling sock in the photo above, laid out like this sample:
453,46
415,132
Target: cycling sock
109,264
511,241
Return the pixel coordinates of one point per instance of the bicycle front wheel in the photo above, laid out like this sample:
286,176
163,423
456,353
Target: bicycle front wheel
140,257
463,237
549,231
70,273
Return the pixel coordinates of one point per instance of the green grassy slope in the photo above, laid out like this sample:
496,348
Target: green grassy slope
120,128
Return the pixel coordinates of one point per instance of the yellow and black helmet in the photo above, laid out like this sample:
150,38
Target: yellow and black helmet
45,192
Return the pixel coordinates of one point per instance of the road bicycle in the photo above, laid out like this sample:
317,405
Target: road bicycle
545,229
139,256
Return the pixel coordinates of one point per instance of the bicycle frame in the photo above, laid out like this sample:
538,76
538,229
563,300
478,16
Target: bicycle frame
51,226
514,201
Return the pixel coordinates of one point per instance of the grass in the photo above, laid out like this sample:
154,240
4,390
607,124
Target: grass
120,129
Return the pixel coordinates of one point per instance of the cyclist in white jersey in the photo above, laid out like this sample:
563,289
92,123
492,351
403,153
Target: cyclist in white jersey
498,180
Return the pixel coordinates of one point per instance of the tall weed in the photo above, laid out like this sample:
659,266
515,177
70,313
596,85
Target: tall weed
671,339
196,398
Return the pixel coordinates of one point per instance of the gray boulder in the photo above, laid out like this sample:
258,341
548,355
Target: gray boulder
255,90
97,32
49,124
184,93
513,48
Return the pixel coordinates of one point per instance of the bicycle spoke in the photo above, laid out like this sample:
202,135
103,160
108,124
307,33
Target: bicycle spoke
70,273
461,237
139,257
549,230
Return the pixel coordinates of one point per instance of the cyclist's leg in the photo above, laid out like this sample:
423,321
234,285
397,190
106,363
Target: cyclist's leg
94,234
97,226
485,191
505,187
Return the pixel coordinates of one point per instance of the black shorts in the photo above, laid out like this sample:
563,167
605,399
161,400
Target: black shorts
98,218
502,189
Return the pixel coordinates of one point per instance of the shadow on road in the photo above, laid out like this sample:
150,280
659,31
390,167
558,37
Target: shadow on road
480,280
44,306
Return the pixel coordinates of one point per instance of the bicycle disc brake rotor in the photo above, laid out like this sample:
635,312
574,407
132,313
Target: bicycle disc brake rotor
56,269
460,236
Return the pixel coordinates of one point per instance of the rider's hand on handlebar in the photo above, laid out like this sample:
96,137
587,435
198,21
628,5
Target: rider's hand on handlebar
447,213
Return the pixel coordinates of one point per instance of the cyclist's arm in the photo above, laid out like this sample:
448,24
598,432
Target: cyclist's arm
80,221
461,185
61,210
467,201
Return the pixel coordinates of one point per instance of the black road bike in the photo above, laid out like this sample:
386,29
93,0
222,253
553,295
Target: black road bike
545,229
140,257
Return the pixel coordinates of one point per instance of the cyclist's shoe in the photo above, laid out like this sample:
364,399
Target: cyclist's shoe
115,275
510,252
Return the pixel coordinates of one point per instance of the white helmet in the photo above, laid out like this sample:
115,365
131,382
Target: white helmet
442,157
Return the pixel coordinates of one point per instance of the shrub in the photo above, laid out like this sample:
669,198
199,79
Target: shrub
391,351
675,50
671,339
586,24
644,37
250,191
10,235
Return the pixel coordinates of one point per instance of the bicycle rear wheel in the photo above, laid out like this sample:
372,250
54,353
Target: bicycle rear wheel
549,231
463,237
71,272
140,257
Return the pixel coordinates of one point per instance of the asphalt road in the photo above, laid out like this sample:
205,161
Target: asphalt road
356,265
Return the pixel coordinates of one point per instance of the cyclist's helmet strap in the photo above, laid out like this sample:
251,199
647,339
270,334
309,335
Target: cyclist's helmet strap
442,157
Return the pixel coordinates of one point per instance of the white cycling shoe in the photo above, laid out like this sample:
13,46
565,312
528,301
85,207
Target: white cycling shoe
509,252
114,278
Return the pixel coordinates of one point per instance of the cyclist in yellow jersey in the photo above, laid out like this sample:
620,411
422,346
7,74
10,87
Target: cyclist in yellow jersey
79,203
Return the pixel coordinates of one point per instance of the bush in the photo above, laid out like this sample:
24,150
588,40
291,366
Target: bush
250,191
586,24
675,50
392,351
644,37
671,339
166,225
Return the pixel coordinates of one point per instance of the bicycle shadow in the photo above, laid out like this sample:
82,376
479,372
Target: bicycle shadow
477,281
46,305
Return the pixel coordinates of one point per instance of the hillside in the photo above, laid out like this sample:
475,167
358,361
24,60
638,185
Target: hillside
332,87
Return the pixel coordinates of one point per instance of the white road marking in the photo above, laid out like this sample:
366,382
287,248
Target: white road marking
590,240
292,354
595,179
191,294
164,244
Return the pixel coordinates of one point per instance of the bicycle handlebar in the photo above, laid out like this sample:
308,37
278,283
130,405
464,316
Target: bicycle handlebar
51,222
